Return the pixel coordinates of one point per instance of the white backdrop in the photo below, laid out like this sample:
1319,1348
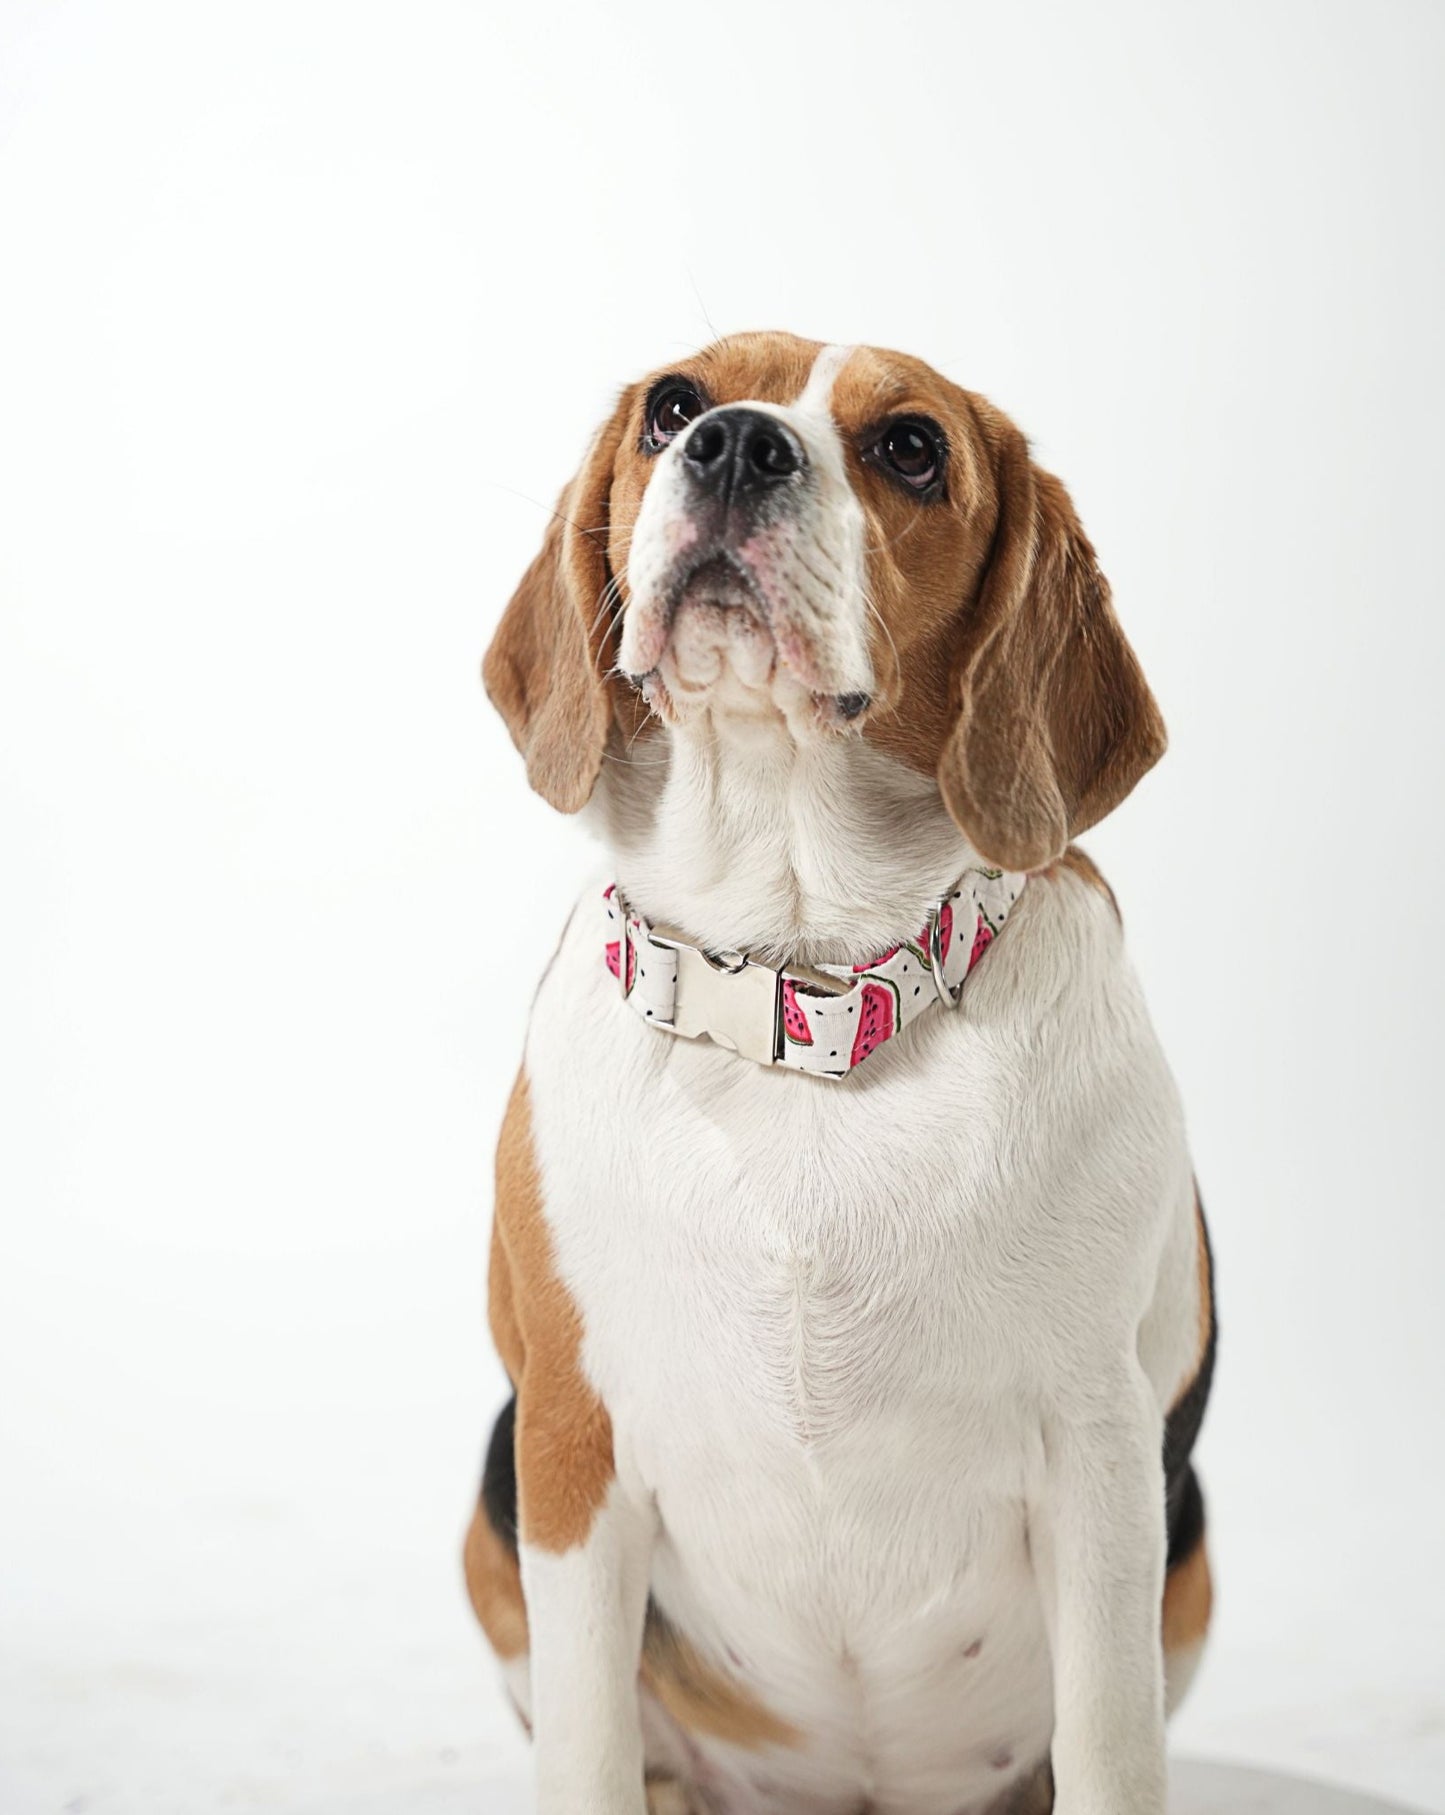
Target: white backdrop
306,312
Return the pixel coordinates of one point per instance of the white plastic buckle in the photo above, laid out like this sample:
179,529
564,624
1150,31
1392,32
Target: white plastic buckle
733,998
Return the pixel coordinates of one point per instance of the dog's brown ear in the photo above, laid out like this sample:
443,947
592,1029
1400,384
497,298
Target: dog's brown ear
1055,722
546,669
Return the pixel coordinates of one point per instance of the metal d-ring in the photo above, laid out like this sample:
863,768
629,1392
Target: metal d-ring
949,997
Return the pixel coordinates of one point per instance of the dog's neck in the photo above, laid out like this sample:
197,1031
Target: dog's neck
748,838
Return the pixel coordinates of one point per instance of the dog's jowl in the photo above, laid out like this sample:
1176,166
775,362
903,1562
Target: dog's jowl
848,1464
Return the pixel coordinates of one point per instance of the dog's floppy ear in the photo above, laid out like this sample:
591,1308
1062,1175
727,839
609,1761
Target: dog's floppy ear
1055,723
546,669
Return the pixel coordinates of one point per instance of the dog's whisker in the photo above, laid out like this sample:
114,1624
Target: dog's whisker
890,542
882,623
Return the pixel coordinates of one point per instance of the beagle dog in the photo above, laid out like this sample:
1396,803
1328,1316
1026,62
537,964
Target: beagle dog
848,1463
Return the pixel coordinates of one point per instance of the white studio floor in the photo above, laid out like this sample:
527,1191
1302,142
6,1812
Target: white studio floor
144,1739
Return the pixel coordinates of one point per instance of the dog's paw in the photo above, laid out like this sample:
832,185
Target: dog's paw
666,1796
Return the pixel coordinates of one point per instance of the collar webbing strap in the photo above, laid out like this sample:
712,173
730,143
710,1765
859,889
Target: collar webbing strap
823,1019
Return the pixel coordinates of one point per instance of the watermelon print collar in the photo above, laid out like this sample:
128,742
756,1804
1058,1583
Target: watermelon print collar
820,1019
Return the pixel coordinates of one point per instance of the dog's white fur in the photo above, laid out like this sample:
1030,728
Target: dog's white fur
886,1363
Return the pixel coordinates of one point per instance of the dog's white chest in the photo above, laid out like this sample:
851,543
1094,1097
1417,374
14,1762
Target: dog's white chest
824,1320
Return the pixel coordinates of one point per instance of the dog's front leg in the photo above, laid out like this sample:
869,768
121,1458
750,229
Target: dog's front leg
1097,1534
584,1536
585,1609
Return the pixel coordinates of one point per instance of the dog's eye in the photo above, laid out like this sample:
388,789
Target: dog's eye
673,406
913,450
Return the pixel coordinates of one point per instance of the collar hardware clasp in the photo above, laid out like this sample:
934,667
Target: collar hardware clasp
947,995
733,997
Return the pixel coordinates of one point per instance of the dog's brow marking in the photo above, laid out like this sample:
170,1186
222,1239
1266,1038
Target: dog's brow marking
817,393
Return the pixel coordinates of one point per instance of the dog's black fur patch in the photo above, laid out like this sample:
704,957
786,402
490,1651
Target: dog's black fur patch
1183,1500
499,1476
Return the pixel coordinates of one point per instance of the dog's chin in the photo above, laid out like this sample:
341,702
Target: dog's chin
721,658
719,643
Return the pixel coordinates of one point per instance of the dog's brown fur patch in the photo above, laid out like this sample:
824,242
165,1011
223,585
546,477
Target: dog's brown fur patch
702,1699
1033,1795
1188,1599
494,1585
564,1433
1206,1285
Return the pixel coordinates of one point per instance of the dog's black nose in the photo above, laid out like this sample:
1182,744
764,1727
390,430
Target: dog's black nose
736,451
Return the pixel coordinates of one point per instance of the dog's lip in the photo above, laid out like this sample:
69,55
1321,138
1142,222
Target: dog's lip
727,569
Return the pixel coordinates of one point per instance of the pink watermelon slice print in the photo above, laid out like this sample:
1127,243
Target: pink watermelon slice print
614,959
614,946
873,963
877,1018
795,1024
982,937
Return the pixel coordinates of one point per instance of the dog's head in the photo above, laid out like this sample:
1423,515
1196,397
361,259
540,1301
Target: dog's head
843,540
